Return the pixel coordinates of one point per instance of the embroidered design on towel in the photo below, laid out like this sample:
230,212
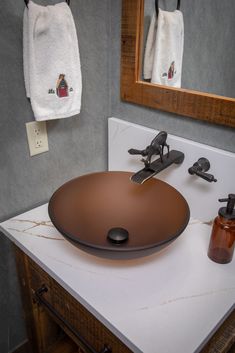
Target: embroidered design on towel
171,71
62,89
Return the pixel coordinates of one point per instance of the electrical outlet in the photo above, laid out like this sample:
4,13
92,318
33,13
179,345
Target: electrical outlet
37,137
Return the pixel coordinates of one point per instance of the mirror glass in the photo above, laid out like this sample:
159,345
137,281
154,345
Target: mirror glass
209,45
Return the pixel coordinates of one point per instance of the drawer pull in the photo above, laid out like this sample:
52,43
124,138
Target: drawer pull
38,296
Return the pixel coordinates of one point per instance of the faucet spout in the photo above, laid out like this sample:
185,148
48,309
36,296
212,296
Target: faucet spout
157,166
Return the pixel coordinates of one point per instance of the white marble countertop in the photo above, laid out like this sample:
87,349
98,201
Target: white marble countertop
170,301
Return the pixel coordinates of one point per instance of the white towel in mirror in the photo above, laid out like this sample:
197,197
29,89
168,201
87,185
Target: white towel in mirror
164,49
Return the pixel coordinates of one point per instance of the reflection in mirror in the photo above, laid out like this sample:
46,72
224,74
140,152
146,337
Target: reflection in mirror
194,103
209,45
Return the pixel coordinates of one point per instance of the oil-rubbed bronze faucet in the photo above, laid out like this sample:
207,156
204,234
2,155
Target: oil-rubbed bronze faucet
156,147
200,167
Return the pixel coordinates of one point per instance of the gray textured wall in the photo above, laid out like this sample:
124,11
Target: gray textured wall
77,145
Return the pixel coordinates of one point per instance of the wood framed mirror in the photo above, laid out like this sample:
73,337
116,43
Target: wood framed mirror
199,105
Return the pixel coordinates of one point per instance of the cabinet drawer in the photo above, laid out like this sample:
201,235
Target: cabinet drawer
73,316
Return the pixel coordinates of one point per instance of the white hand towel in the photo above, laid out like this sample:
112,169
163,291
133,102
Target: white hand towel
150,48
26,52
166,48
52,69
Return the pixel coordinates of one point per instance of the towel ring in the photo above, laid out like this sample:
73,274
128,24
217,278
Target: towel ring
27,1
157,8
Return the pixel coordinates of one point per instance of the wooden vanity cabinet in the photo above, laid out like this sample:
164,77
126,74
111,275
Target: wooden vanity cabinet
56,321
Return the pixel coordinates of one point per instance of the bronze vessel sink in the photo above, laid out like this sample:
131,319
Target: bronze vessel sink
106,211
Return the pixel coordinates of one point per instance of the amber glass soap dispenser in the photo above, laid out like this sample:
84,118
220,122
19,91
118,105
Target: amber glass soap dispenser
222,239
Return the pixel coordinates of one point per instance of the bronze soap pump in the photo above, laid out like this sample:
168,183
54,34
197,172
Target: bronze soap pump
222,240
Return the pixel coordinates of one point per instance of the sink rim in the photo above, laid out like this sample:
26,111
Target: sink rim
115,247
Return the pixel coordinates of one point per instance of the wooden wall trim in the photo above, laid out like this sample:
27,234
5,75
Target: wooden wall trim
22,348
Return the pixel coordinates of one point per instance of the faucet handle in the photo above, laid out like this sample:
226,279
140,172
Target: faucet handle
200,167
202,164
156,147
206,176
134,151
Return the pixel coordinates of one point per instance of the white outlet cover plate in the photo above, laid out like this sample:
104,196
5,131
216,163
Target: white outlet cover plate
37,137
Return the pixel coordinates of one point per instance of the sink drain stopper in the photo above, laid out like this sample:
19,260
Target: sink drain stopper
118,235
